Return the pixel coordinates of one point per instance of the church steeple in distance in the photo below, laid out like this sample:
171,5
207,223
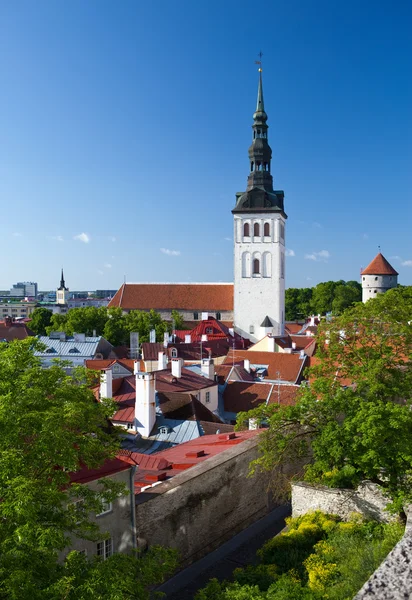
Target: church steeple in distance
62,282
260,194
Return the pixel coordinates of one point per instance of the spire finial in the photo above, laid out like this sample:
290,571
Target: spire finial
260,107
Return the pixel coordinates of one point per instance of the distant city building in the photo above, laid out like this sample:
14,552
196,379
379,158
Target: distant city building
24,289
104,293
378,277
76,349
16,309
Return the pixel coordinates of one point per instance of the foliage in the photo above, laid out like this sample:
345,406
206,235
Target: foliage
50,425
177,319
354,420
113,324
329,296
39,320
317,557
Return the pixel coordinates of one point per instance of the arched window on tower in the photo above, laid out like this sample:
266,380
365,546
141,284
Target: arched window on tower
266,230
256,266
256,230
246,230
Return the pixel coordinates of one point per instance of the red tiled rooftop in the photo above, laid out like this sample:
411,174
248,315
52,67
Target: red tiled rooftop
109,467
287,367
188,382
178,296
240,396
379,266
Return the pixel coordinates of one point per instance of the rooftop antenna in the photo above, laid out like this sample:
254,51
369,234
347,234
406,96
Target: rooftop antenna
124,279
379,248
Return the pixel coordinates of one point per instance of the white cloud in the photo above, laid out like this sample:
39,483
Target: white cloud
170,252
17,234
406,263
112,238
100,272
395,258
289,252
82,237
320,256
56,238
107,265
228,239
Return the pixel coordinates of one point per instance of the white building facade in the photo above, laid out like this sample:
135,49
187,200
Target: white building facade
259,242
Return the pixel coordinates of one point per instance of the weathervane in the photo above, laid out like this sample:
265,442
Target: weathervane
259,62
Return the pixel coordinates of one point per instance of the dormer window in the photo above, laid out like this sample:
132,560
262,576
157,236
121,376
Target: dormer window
209,329
50,351
163,430
74,351
173,353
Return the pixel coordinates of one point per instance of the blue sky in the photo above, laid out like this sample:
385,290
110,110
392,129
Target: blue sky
125,128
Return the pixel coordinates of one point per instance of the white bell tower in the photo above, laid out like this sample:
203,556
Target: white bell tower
259,241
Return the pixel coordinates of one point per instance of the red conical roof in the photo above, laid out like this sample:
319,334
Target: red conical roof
379,266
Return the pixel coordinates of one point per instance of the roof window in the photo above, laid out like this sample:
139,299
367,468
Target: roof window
74,351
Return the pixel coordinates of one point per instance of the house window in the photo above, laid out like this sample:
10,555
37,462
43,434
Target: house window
106,508
363,278
130,426
163,430
246,230
209,329
173,353
251,329
266,229
195,316
282,231
256,229
104,549
218,316
256,266
376,279
207,397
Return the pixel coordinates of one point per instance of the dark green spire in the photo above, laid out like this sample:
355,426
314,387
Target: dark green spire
62,282
260,105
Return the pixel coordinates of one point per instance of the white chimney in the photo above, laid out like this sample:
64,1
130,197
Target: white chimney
253,424
271,343
106,384
165,339
162,361
208,368
145,404
246,365
187,338
312,321
231,331
293,345
205,316
136,367
204,337
177,367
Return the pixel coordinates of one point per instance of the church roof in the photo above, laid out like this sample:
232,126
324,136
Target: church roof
178,296
379,266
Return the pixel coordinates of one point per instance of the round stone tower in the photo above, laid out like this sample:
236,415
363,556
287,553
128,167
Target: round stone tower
378,277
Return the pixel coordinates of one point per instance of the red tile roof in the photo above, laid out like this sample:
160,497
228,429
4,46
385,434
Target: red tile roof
175,405
188,382
100,365
240,396
379,266
287,367
109,467
179,296
16,330
293,328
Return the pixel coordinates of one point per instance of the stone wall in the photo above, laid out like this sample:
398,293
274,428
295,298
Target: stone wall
202,507
367,499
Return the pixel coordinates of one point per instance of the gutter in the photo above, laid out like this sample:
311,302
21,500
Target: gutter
132,507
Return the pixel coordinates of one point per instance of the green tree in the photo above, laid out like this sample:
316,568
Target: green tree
177,320
354,421
144,322
86,320
51,425
115,330
323,295
345,295
40,319
57,323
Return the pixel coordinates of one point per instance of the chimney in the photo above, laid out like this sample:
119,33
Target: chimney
136,367
246,365
208,368
145,404
204,337
187,338
271,343
177,367
205,316
293,345
106,384
253,424
94,333
162,361
312,321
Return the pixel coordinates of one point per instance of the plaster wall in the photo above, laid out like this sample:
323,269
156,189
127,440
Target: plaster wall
118,522
201,508
166,314
257,295
367,499
377,284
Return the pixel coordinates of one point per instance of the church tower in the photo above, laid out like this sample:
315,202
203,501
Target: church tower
259,241
62,292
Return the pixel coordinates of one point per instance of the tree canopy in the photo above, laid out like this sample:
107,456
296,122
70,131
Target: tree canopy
329,296
113,324
354,420
40,319
50,425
